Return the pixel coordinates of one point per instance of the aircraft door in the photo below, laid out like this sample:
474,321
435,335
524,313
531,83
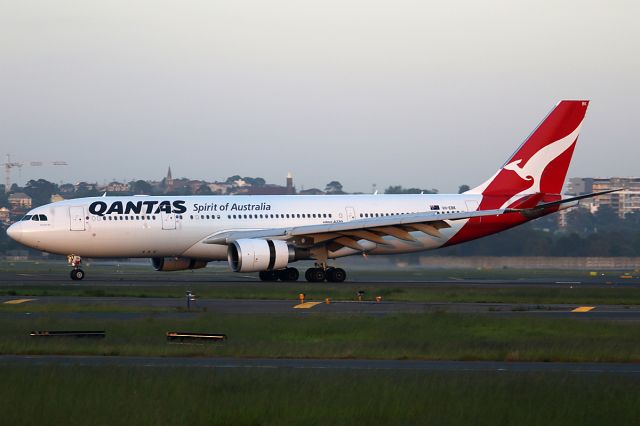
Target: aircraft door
351,213
76,216
168,220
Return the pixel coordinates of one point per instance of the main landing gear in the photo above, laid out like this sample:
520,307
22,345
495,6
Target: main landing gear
317,274
76,274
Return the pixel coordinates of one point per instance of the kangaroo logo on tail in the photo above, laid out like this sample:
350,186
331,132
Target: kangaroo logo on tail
537,164
534,162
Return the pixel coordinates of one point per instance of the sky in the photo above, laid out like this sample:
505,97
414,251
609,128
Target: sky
415,93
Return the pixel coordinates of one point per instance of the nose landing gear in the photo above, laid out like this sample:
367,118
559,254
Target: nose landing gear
76,274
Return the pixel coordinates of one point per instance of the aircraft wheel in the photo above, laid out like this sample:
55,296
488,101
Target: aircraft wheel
307,275
315,275
289,274
77,274
268,275
336,275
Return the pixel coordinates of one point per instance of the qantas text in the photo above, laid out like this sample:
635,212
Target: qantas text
100,208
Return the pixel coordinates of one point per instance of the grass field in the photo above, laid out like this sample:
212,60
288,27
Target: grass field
194,396
403,336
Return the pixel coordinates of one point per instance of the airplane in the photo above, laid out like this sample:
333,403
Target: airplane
265,234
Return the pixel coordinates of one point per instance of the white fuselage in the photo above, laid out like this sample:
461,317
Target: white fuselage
145,226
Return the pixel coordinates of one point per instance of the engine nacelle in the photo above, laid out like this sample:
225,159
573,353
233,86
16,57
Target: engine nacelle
176,263
254,255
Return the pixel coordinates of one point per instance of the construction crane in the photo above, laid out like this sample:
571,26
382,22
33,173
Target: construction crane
8,165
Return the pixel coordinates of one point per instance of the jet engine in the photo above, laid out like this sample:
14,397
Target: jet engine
176,263
254,255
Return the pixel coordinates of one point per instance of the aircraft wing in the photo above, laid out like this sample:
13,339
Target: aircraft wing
347,234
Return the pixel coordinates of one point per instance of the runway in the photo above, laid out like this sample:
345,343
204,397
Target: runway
126,281
219,277
326,364
293,307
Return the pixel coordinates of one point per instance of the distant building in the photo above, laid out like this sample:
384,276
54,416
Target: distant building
169,180
290,189
56,197
240,183
117,187
85,186
219,187
19,201
622,202
268,189
311,191
5,215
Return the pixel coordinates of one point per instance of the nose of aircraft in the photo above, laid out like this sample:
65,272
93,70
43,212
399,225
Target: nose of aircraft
15,232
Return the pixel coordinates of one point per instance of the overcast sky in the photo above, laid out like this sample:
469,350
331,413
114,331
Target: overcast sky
412,93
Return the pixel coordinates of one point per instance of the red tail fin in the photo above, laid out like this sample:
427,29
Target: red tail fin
540,164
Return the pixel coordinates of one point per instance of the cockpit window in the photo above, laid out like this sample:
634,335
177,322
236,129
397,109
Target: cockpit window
27,217
43,218
35,217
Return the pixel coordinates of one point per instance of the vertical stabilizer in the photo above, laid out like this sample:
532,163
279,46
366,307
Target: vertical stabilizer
540,164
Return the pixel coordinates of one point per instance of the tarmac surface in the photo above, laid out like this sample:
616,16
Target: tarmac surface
333,364
103,277
290,307
370,278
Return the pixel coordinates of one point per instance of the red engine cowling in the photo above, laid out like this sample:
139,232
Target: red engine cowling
176,263
254,255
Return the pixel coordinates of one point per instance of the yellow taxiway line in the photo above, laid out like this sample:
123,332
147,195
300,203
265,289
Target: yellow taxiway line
306,305
583,309
17,301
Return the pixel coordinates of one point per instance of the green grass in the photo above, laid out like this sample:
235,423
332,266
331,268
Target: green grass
199,396
404,336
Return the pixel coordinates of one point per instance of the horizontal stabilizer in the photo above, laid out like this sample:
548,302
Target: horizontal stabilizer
565,200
